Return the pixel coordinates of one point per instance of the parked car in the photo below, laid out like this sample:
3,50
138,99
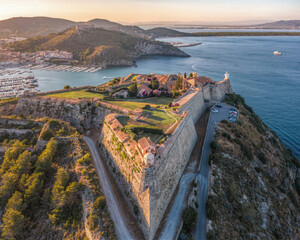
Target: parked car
218,105
233,109
214,110
233,112
231,119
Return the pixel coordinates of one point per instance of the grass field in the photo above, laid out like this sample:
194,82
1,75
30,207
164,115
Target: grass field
78,94
134,103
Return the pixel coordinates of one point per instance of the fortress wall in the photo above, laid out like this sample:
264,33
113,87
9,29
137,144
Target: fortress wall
195,106
169,172
127,173
207,92
220,89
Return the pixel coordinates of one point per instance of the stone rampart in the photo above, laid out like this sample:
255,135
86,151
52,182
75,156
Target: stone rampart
195,106
220,89
128,173
171,166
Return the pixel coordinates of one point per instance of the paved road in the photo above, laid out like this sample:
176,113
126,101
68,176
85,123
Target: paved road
174,216
204,170
121,228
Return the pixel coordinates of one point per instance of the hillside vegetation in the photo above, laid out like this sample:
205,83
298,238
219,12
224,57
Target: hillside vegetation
98,46
49,192
255,181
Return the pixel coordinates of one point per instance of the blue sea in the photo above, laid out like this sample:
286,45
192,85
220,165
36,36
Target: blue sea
270,84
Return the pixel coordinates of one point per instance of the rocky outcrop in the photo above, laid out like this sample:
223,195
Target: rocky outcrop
83,114
158,48
254,183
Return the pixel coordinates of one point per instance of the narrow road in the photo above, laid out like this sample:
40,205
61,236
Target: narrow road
175,214
200,233
120,223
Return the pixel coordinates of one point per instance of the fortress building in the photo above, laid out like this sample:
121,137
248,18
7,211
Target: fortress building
148,175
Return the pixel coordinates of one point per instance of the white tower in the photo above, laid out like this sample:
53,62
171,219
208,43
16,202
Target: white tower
226,75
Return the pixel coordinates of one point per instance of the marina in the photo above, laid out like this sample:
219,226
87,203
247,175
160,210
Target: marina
62,68
15,82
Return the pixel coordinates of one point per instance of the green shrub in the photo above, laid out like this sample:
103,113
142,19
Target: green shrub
93,221
189,216
47,134
99,204
214,145
136,210
262,158
210,209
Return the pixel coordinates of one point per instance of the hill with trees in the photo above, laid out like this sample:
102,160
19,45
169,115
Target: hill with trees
99,46
49,188
42,26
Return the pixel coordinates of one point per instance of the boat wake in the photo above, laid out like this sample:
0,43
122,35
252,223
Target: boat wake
194,67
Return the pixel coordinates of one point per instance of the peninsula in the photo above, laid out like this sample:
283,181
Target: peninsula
160,144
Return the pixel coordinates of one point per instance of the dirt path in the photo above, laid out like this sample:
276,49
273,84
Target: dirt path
125,223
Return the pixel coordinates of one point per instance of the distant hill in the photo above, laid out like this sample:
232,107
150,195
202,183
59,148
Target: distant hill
33,26
164,32
99,46
42,26
103,23
281,24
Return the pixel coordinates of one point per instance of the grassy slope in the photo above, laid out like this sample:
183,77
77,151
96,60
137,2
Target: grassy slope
77,94
253,186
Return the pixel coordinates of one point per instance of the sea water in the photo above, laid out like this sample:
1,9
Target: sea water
270,84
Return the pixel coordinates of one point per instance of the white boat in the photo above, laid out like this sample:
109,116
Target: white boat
277,53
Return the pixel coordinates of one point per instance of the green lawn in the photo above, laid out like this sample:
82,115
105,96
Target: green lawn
123,120
159,118
78,94
134,103
153,137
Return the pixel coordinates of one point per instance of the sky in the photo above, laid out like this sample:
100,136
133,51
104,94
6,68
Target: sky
132,11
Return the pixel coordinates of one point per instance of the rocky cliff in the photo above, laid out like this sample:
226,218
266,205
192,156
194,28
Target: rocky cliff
254,183
83,114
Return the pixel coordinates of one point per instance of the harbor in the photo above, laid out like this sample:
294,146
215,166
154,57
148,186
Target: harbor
14,83
63,68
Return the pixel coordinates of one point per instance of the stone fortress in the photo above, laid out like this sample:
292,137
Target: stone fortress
148,181
150,186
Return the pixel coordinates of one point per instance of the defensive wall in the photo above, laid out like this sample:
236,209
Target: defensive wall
149,188
168,170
